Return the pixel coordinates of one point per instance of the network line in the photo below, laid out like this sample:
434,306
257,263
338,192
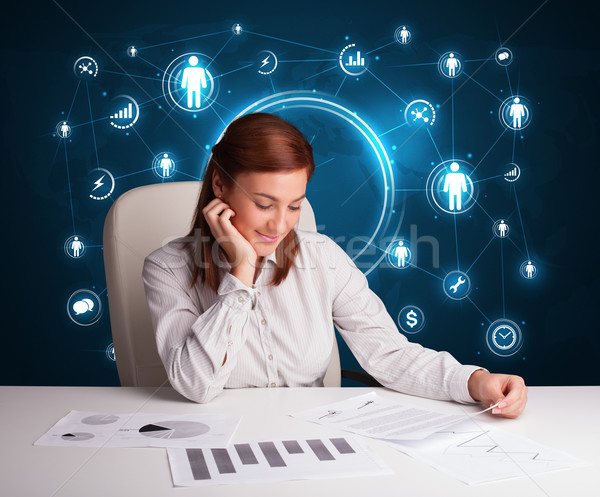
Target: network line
521,220
480,253
399,97
87,88
326,70
232,71
393,129
149,63
489,150
414,65
73,101
435,145
481,207
212,107
134,173
272,85
224,45
456,242
131,75
143,141
452,97
341,84
476,307
69,185
183,39
308,60
382,46
477,82
292,42
502,274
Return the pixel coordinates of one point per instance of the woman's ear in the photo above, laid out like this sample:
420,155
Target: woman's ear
217,184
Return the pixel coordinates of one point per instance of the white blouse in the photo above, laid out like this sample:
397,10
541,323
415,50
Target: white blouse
282,336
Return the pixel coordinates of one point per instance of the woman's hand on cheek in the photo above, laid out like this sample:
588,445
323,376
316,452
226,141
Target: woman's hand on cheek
239,251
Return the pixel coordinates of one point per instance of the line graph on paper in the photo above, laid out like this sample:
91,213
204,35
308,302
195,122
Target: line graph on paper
477,453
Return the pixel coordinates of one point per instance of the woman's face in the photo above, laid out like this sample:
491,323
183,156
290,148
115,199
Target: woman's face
266,205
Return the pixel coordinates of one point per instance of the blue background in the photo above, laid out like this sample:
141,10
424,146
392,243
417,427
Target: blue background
555,66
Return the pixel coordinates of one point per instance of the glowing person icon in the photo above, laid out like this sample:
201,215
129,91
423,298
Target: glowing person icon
193,79
238,29
451,65
529,270
502,229
455,184
404,34
166,164
65,129
517,112
401,253
76,246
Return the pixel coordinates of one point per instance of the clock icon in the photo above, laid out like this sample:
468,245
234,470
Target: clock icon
504,337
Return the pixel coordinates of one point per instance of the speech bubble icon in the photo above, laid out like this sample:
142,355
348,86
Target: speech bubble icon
90,303
80,307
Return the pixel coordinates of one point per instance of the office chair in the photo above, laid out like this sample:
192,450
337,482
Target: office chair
139,222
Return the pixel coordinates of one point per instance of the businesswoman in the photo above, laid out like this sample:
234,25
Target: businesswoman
246,300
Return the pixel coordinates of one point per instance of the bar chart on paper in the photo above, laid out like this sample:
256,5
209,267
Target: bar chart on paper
275,460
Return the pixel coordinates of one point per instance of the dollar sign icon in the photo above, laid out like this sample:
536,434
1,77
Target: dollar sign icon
411,319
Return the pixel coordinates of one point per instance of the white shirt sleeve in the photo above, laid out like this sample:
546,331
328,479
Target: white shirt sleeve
193,344
370,332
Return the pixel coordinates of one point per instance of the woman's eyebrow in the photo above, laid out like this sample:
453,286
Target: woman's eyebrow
274,199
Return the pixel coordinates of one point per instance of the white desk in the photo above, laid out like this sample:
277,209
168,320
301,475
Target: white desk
563,417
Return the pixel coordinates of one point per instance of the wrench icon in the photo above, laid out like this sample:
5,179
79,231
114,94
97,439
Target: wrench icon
459,282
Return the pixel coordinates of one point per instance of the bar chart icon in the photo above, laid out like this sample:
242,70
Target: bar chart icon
358,61
125,113
513,172
352,60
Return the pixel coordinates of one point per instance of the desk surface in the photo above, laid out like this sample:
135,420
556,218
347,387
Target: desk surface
565,418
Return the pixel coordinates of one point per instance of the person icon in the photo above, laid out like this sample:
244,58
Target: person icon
529,270
404,34
237,29
455,184
502,229
517,112
166,164
193,80
65,130
451,65
132,51
401,254
76,246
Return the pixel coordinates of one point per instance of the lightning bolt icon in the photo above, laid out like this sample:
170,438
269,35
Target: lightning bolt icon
264,62
99,183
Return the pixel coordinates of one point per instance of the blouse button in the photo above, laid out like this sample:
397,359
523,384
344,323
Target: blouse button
263,321
241,300
270,357
273,384
258,293
230,343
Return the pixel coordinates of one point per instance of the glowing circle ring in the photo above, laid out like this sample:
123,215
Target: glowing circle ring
310,100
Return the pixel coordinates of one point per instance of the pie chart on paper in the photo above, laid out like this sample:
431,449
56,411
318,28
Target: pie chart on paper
77,437
174,429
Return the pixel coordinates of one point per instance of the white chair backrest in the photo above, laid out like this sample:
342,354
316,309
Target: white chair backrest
140,221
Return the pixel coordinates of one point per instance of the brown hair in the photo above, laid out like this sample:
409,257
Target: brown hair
257,142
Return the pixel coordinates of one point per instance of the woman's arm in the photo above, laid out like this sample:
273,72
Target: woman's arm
198,349
370,332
